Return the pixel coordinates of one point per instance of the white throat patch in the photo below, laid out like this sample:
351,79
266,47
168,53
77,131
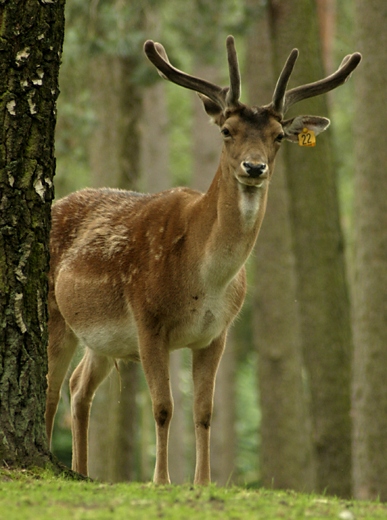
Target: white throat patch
249,202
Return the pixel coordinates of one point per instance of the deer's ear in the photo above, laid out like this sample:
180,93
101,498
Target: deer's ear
293,127
214,110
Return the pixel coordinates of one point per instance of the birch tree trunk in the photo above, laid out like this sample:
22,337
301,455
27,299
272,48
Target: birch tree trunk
32,37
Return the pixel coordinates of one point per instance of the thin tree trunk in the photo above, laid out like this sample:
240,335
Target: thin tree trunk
178,463
206,143
115,144
326,10
155,163
286,451
206,151
32,37
223,434
115,162
370,258
322,291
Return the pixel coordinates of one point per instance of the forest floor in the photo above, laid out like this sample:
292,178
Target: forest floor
26,495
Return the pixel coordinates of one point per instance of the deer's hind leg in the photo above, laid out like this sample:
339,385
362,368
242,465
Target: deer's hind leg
61,347
84,382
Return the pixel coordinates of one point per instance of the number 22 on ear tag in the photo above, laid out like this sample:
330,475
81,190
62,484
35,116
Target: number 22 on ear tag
306,138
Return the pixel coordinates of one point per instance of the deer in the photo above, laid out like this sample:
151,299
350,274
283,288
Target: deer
137,276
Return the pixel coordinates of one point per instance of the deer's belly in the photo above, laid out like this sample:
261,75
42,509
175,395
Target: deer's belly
98,315
103,320
200,329
118,340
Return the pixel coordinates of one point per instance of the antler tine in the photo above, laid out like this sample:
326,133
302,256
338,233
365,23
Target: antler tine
157,55
348,65
234,92
280,88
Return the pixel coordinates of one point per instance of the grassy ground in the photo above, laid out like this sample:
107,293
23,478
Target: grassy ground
24,496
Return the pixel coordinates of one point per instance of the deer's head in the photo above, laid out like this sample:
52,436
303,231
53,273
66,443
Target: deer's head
252,135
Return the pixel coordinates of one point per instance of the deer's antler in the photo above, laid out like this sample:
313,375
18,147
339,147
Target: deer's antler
233,95
226,97
283,100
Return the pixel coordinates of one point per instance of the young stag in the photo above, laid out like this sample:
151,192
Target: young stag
137,276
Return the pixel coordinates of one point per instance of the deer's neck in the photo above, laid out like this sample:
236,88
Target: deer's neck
229,217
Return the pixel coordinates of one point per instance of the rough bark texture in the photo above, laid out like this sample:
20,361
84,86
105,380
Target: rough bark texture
286,454
370,259
31,44
323,299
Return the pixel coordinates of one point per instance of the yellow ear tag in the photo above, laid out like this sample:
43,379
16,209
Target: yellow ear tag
306,138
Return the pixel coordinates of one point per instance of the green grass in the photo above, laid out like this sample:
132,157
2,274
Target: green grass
27,496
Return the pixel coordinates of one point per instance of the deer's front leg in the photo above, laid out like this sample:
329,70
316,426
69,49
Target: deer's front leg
205,364
155,362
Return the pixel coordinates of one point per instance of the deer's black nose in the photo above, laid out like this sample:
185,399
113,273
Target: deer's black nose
253,169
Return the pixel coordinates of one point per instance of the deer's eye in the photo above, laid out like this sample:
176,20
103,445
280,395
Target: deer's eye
225,132
279,137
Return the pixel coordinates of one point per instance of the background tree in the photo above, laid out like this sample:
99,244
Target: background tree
32,36
318,239
370,257
209,59
115,161
285,454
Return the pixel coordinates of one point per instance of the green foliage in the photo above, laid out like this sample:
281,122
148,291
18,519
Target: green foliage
28,496
193,24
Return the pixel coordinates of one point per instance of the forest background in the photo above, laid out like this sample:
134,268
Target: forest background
301,400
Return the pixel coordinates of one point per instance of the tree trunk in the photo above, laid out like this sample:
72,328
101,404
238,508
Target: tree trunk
32,37
155,163
115,145
223,434
206,152
370,257
326,10
206,143
286,451
115,162
323,299
178,445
